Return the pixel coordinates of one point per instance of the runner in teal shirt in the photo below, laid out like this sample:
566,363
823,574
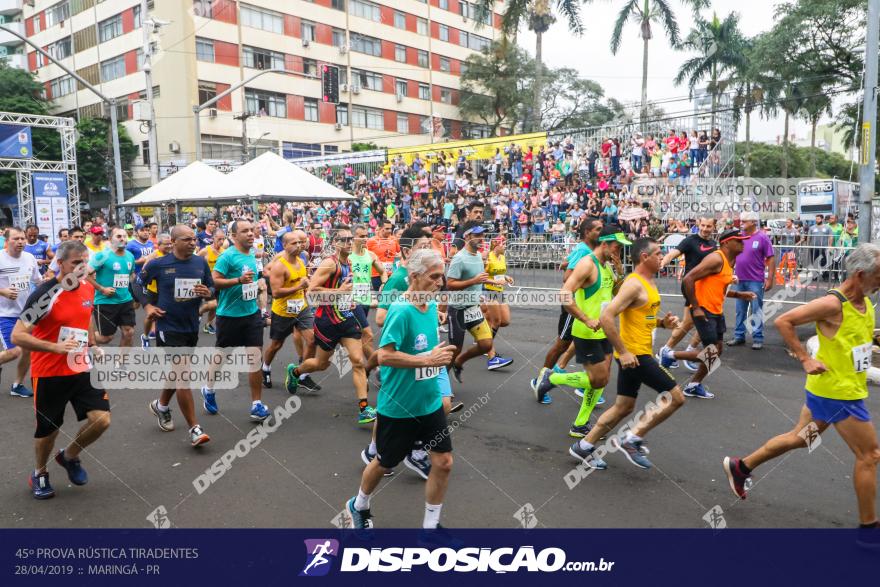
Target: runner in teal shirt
239,300
113,269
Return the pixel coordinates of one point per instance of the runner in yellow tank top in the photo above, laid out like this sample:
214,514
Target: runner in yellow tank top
836,384
638,305
211,253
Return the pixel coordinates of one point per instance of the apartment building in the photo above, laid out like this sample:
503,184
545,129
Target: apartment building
400,65
11,47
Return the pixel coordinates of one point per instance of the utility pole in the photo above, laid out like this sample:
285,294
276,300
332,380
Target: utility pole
244,140
868,158
146,27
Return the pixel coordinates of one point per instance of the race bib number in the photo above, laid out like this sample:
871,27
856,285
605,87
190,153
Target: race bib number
344,304
862,357
473,314
423,373
20,282
79,335
249,291
184,288
295,306
120,281
361,292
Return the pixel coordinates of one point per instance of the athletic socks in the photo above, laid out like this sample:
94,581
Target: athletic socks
588,403
160,407
372,447
579,379
432,516
583,444
303,376
362,501
630,437
266,367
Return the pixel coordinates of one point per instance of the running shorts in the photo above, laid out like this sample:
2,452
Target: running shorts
648,372
328,334
177,339
109,317
7,323
360,314
832,411
712,329
51,395
246,331
283,326
566,321
479,328
395,437
591,351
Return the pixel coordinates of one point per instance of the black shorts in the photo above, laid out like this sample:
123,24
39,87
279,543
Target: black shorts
246,331
566,321
328,334
109,317
712,329
591,351
376,282
51,395
648,372
361,312
395,436
177,339
458,327
283,326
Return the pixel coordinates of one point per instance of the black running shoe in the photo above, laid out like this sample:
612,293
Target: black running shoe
267,378
309,384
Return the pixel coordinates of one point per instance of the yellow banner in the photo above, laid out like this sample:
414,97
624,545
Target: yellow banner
480,149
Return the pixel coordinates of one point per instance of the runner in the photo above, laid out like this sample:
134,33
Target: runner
590,288
290,310
387,251
836,385
114,309
38,248
56,321
140,247
336,324
467,276
705,288
497,312
239,320
638,305
182,280
210,253
164,247
695,248
18,271
410,407
364,262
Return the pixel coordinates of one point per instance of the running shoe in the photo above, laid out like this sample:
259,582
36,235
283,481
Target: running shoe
291,380
542,385
498,362
367,415
152,335
735,342
145,342
456,372
667,361
309,384
633,451
735,477
697,390
360,519
259,412
420,466
692,366
580,431
438,537
75,472
586,457
367,456
443,328
197,436
558,369
757,345
209,401
267,378
456,407
165,422
19,390
601,400
578,391
209,329
40,487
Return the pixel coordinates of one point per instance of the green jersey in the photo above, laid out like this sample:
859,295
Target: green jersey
241,299
410,393
112,270
592,299
396,285
360,276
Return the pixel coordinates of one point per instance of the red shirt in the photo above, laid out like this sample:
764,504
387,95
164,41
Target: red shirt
52,308
672,143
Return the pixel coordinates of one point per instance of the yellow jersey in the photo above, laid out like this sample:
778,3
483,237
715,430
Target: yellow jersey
496,267
637,324
152,287
292,305
211,256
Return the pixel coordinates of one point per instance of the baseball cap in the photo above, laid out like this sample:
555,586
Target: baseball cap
613,233
129,227
439,228
478,229
97,230
732,234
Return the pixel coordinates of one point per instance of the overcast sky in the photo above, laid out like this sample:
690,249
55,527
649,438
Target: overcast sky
621,74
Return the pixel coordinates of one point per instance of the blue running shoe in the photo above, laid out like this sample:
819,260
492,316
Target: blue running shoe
209,329
259,412
692,366
291,379
586,457
633,451
579,392
542,386
360,519
697,390
667,361
497,362
367,415
601,400
210,401
145,342
20,390
40,487
75,472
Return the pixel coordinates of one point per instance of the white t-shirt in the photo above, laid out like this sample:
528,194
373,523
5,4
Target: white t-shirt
20,273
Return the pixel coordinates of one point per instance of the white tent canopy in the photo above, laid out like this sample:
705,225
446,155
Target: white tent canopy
194,183
272,177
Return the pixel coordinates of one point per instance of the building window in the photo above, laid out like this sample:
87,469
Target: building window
205,50
203,8
113,68
365,9
446,95
142,95
262,58
444,64
424,92
337,4
400,87
260,18
56,14
421,26
310,67
307,30
399,20
444,4
365,44
342,114
338,37
265,103
136,16
367,79
60,49
299,150
444,32
469,11
400,53
472,41
207,91
62,86
403,124
422,57
367,118
109,28
311,110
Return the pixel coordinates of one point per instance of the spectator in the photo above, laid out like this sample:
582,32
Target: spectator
756,259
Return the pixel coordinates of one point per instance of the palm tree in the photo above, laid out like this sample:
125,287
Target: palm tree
720,45
646,12
540,20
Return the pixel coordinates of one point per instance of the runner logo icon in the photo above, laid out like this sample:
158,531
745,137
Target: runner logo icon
320,554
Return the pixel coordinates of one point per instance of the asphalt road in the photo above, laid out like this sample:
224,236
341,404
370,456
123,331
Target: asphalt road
510,452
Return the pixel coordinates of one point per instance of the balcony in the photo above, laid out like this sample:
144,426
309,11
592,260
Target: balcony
10,40
17,60
8,7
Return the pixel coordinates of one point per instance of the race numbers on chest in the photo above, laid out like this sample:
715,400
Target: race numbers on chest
120,280
249,291
862,357
184,289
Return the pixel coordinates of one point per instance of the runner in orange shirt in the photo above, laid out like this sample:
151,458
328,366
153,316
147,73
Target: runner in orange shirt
387,250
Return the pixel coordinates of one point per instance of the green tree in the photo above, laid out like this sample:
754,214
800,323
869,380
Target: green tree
94,155
364,147
570,101
494,85
767,161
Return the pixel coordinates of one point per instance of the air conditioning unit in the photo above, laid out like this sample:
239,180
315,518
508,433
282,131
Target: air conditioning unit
343,49
306,42
355,89
337,126
212,112
399,97
343,88
174,147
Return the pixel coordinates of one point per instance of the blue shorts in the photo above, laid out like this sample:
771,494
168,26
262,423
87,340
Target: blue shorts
835,410
443,381
6,325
